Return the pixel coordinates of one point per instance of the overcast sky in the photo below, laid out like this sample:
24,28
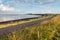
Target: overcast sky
29,6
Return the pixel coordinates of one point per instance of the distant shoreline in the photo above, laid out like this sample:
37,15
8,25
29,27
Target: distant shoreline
18,20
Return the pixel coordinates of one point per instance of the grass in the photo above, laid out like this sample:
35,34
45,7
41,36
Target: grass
57,34
47,30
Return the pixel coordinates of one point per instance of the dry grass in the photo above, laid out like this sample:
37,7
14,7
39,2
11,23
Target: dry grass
40,31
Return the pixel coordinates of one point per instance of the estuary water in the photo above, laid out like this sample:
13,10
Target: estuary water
9,17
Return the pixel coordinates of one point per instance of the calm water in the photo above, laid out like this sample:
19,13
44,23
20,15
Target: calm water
8,17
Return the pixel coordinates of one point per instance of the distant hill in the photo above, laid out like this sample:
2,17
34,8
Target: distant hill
38,14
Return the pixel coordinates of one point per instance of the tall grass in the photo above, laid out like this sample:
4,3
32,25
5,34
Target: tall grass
41,31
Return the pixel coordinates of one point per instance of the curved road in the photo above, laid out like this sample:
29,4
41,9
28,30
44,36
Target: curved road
4,31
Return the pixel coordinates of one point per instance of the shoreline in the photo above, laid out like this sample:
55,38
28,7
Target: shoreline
26,19
20,22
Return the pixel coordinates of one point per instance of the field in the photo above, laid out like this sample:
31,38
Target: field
46,30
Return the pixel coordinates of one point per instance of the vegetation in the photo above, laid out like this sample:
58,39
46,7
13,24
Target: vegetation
47,30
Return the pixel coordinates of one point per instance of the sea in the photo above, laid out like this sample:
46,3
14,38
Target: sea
9,17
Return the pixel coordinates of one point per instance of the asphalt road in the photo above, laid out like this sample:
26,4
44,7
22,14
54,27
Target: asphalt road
4,31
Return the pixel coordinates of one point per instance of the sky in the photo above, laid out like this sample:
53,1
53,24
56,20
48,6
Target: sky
29,6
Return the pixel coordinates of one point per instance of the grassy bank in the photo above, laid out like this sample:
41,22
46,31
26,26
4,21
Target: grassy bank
46,30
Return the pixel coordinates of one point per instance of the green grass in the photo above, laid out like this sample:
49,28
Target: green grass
57,35
41,31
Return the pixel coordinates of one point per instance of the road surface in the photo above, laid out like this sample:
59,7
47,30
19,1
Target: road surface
4,31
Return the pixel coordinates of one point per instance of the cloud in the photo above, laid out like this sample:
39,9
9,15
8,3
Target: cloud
0,1
6,8
22,6
28,2
49,9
